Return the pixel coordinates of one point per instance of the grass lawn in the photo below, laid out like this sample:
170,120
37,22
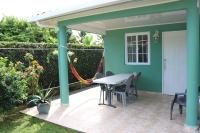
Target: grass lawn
15,122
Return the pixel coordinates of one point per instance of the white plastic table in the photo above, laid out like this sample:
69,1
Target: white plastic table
114,79
111,81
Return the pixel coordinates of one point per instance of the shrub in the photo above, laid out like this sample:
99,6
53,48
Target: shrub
13,84
32,72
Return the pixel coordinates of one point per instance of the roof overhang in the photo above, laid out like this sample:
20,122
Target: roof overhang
51,19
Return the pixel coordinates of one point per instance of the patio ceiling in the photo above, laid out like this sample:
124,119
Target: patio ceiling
100,27
77,10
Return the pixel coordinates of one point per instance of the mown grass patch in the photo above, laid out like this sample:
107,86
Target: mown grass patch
15,122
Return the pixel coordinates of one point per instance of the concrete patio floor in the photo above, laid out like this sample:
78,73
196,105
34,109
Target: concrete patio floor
149,113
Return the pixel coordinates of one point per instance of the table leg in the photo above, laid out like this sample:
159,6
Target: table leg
103,100
110,99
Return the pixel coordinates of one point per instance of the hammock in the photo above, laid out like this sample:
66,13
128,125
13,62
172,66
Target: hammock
79,78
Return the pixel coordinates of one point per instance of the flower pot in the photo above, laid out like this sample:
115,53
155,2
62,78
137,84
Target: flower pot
43,108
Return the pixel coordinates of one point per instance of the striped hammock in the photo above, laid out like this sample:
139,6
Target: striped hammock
79,78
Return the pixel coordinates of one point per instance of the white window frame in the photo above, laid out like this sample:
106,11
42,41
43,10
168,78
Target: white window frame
126,51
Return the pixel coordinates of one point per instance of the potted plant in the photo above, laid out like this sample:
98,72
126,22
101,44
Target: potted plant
42,101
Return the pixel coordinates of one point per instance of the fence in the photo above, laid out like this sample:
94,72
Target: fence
85,60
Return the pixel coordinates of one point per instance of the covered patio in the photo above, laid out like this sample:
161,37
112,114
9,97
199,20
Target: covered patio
114,20
147,113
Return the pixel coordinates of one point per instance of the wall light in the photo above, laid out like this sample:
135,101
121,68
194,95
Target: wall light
156,35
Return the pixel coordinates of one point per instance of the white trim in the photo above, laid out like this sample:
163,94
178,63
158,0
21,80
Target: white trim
162,64
149,47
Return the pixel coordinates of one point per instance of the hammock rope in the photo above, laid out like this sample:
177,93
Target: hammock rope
78,77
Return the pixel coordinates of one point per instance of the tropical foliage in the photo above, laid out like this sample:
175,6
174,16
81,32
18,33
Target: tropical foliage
18,30
13,84
17,81
43,96
87,40
33,72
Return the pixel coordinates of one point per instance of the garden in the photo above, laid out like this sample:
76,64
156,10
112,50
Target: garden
29,71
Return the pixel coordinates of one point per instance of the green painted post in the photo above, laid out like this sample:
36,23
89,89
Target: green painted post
63,64
192,64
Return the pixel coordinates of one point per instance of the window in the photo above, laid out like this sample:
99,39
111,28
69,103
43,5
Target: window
137,48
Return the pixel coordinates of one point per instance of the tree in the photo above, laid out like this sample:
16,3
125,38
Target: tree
87,40
19,30
82,34
13,29
70,37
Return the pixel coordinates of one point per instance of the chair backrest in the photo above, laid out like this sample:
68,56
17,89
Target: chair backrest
109,73
135,79
138,75
99,75
129,82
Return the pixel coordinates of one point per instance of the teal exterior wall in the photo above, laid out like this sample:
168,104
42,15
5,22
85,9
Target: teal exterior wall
151,79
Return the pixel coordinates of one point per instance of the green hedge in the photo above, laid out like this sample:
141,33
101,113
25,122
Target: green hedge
26,45
87,60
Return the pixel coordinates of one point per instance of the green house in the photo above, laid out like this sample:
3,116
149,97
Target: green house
159,38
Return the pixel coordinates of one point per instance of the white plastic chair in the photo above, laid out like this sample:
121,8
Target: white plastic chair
123,89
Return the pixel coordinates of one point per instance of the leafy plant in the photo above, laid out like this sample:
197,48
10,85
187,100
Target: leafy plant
32,73
13,84
43,96
13,29
87,40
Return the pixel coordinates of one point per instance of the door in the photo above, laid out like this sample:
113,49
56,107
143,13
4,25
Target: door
174,62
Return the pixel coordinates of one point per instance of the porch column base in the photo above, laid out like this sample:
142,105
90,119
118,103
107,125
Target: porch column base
64,105
190,128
